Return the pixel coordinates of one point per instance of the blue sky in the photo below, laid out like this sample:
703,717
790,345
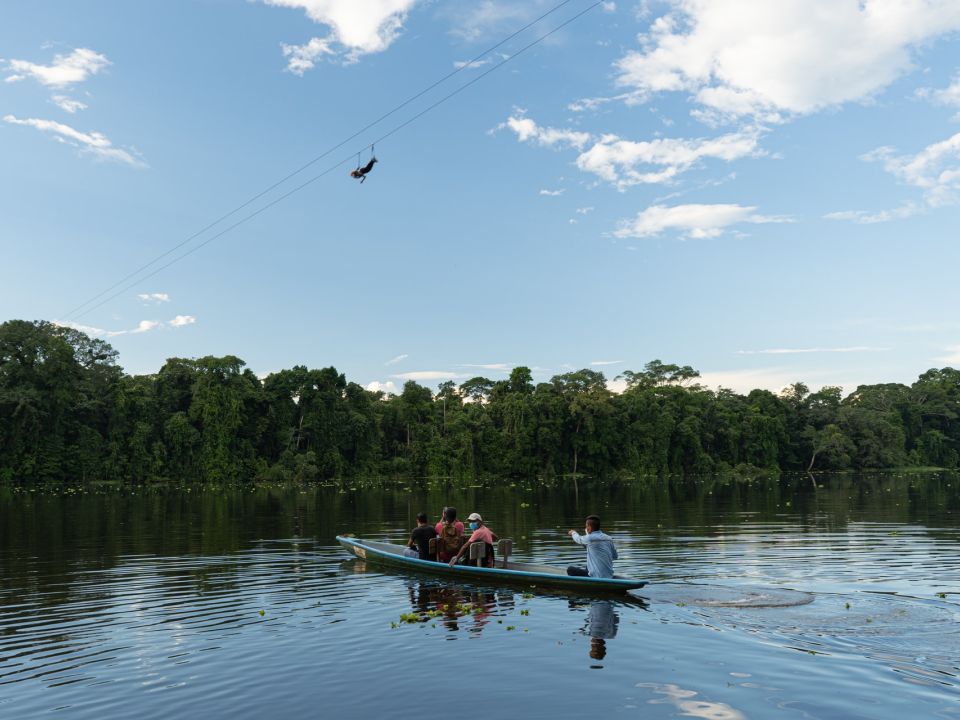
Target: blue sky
769,192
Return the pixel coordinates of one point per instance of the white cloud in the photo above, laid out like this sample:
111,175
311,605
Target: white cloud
181,320
606,362
952,358
552,193
359,26
460,64
774,379
626,162
502,367
794,351
154,297
741,57
68,104
609,6
398,358
528,131
477,18
142,327
695,221
429,375
94,143
304,57
870,217
584,210
935,171
949,96
65,69
388,388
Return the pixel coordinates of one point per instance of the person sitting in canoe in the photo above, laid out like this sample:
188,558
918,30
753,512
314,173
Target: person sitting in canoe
420,538
481,533
601,551
450,532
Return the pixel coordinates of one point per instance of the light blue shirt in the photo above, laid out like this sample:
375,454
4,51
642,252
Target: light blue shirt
600,553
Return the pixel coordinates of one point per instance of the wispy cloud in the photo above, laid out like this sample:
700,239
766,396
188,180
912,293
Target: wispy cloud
584,210
68,104
502,367
154,297
552,193
695,221
398,358
952,358
65,70
93,143
142,327
871,217
605,362
429,375
797,351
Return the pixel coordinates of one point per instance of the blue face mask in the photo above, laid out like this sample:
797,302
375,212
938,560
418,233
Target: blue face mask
473,526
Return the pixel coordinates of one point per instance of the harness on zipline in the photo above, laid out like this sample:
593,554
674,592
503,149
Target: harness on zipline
361,172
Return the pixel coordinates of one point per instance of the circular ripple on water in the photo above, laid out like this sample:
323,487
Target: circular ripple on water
725,596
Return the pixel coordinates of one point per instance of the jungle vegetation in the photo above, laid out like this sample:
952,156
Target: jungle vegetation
68,411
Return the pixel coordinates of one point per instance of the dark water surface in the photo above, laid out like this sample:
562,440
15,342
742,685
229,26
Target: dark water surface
769,598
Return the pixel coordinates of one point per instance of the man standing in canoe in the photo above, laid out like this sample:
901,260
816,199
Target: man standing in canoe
601,551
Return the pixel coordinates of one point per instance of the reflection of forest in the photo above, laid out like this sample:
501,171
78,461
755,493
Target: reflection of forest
458,608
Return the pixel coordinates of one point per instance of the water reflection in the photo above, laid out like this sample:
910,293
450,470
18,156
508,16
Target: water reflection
455,607
685,701
602,623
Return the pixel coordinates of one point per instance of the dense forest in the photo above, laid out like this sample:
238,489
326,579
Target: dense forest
69,412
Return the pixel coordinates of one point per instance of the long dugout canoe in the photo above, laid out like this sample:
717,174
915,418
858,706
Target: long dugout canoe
515,573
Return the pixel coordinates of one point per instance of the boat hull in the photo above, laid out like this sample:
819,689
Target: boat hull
522,574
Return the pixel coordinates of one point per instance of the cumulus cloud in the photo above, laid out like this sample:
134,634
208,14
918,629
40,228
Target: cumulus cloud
357,27
694,220
625,162
65,70
742,58
387,388
94,143
154,297
181,320
949,96
301,58
398,358
935,171
527,130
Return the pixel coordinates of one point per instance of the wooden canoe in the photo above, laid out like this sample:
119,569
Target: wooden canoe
515,573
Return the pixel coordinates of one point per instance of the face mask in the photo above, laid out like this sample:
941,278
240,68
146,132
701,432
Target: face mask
473,526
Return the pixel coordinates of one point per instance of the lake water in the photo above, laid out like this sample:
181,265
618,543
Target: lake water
768,598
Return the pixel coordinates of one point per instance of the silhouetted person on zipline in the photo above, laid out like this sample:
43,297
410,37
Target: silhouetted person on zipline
361,172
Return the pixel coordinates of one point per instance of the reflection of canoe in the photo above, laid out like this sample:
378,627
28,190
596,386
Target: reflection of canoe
515,573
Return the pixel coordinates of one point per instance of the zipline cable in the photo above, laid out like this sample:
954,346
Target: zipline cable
347,159
318,158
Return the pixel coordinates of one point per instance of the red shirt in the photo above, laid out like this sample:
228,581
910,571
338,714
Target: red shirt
457,524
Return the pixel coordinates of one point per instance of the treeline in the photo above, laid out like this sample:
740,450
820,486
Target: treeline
67,411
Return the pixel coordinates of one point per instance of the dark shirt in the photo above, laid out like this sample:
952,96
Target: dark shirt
422,536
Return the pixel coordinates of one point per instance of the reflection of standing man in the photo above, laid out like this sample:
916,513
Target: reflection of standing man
601,551
602,622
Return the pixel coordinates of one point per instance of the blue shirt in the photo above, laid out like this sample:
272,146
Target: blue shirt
600,553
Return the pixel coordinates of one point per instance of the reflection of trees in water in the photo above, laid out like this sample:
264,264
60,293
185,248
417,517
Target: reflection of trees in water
458,608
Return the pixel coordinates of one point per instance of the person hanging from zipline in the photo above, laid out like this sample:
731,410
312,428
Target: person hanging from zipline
361,172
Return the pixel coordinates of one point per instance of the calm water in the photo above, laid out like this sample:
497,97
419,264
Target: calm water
768,598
